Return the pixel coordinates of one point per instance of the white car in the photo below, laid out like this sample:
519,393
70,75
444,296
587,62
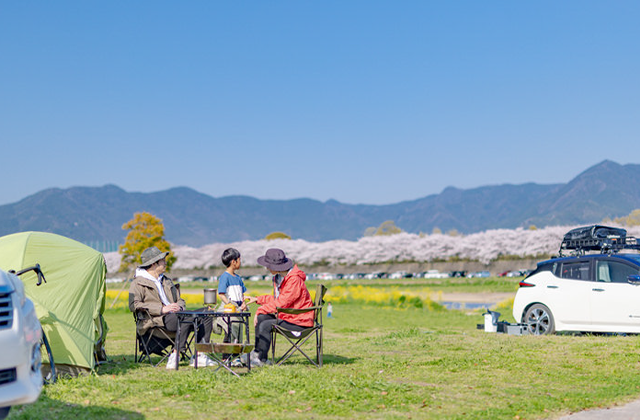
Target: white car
20,334
434,274
587,293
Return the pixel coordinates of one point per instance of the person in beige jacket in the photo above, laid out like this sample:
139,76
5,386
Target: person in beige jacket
156,299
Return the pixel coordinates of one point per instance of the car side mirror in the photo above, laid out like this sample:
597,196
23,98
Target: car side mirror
634,279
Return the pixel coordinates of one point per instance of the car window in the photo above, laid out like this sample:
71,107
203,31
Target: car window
576,270
613,271
543,267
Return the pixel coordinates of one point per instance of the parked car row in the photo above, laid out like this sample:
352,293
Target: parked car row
479,274
429,274
515,273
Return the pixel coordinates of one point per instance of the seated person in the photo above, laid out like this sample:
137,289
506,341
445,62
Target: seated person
289,291
155,293
231,290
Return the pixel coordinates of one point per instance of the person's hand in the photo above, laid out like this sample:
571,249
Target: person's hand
172,307
243,307
255,321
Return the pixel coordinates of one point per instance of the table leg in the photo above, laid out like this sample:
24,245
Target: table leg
246,325
196,326
176,344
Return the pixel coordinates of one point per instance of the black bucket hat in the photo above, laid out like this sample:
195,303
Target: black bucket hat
275,260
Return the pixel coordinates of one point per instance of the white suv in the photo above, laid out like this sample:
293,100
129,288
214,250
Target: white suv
20,334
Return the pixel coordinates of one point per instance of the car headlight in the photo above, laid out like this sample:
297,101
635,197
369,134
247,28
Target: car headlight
36,359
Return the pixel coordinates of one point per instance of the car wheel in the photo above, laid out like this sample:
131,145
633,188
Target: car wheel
539,320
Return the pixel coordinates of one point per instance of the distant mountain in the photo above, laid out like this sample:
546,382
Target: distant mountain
192,218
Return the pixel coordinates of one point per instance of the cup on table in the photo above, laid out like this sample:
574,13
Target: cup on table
210,296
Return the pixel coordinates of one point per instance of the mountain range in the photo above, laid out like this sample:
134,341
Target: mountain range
88,214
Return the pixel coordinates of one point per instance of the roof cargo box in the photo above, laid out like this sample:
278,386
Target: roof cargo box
595,232
603,239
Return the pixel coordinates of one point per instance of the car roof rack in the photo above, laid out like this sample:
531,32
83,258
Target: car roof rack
596,238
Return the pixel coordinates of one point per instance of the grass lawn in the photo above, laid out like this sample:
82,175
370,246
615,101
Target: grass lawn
382,361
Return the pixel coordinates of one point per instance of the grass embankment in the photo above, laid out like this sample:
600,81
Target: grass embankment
387,359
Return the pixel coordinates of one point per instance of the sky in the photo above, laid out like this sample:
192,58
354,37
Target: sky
371,102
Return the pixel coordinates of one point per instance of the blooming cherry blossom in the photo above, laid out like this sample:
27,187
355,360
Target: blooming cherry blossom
482,246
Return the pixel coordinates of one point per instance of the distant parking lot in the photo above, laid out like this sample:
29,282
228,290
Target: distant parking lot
429,274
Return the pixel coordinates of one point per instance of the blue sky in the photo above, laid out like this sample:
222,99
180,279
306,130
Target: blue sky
360,101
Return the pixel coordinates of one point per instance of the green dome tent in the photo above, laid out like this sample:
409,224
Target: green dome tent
70,304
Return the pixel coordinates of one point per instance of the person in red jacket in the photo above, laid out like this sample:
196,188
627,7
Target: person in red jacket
289,291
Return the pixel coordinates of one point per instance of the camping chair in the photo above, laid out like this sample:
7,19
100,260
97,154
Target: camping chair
297,338
158,341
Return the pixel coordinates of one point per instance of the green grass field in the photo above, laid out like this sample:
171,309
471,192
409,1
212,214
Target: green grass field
458,284
382,361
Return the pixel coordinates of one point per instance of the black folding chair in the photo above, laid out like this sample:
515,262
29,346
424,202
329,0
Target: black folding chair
297,339
158,341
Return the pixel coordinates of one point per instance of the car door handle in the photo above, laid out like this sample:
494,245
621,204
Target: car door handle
598,290
552,287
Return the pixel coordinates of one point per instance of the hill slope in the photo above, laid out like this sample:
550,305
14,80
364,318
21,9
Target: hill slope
192,218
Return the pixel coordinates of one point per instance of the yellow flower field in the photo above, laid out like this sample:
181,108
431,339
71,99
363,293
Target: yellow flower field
389,296
392,296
